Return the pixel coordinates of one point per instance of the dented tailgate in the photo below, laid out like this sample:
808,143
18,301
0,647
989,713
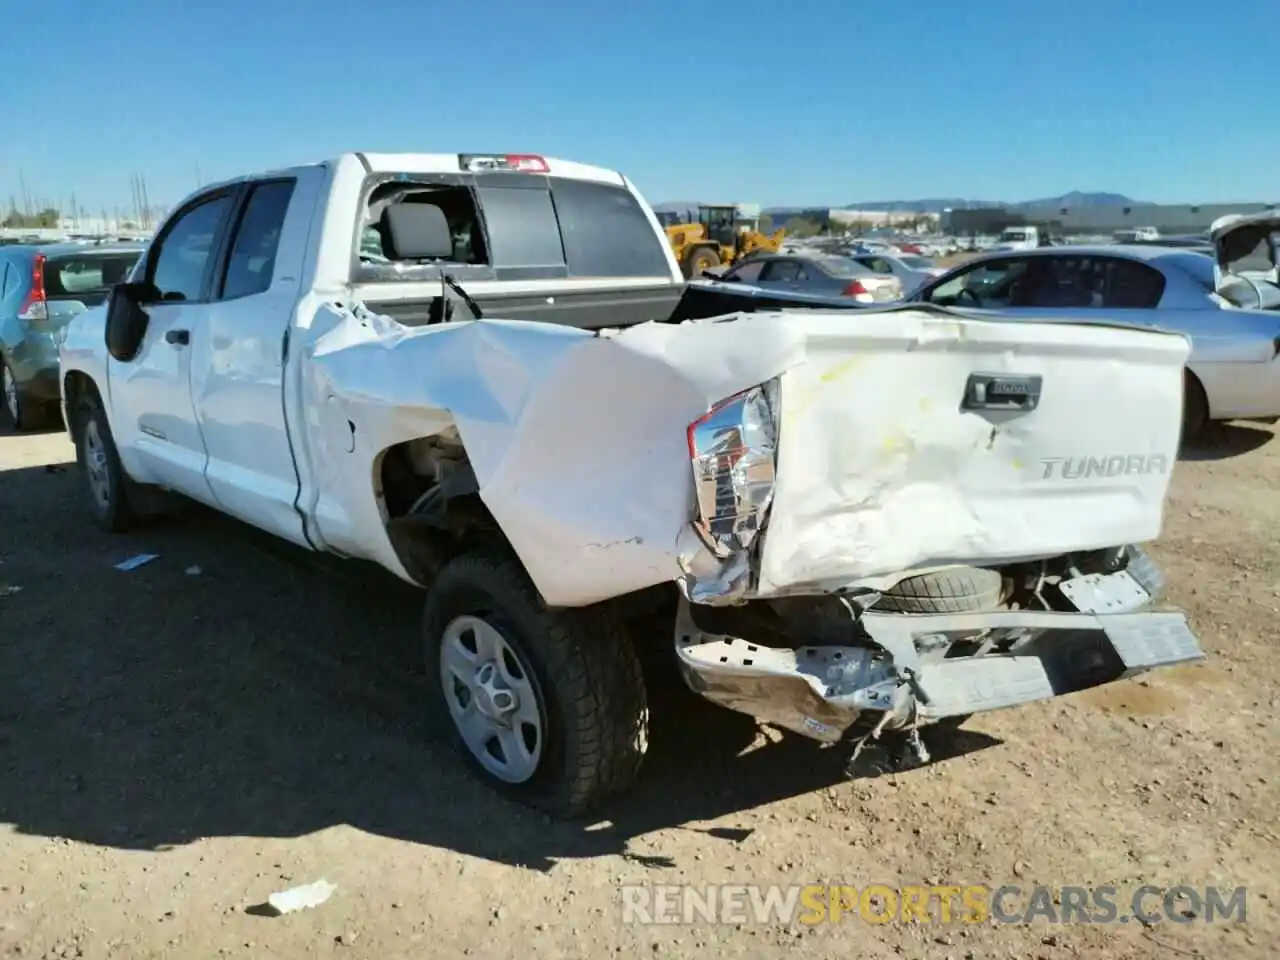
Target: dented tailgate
909,439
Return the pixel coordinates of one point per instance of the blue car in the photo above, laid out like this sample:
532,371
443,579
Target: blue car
41,289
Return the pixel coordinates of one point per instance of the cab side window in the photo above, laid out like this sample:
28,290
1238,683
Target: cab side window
989,283
180,265
253,250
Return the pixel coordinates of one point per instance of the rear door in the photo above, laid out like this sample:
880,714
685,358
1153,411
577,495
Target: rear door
153,416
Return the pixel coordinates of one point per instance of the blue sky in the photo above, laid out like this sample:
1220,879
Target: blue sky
800,102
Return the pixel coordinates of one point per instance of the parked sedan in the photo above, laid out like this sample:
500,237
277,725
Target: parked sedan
1233,372
41,289
818,275
912,271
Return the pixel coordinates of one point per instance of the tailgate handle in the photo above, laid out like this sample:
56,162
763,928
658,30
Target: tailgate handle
1001,391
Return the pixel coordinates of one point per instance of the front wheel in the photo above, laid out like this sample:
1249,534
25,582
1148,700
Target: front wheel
700,261
546,706
106,485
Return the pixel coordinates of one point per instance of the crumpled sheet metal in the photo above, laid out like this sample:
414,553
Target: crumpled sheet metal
577,440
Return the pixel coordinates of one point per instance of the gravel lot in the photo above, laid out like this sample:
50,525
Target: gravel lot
176,744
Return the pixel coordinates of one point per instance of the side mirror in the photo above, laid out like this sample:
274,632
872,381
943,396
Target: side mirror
727,278
139,293
126,320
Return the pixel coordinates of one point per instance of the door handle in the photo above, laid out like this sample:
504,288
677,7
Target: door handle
179,338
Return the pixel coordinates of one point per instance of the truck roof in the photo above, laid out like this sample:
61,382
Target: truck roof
429,163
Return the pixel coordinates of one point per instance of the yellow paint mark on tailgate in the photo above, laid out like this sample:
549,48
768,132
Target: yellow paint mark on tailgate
841,369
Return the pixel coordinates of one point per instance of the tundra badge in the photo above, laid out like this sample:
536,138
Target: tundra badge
1114,465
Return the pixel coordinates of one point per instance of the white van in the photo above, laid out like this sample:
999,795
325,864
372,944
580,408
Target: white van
1019,238
1136,235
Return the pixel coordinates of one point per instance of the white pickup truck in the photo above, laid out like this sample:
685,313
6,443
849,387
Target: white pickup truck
853,521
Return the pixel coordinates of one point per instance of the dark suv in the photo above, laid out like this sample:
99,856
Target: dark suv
41,289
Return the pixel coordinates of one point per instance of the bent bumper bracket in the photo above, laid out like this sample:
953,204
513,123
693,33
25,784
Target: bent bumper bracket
819,691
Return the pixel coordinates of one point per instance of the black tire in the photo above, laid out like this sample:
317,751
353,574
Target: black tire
1195,410
106,487
701,259
584,670
24,413
957,590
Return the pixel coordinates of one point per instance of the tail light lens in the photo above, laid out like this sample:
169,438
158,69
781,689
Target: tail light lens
733,448
854,289
35,306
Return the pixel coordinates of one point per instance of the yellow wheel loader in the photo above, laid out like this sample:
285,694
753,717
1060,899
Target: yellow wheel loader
723,235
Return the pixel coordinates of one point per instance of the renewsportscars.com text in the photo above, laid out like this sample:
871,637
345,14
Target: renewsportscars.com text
941,904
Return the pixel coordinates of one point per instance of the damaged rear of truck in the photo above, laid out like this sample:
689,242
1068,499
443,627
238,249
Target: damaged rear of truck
867,522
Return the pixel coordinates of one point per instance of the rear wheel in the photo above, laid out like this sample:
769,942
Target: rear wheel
24,413
546,706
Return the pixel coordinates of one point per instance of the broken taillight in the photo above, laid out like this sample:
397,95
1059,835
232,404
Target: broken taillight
733,448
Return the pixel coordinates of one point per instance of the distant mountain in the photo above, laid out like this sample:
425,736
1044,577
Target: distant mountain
1075,198
920,206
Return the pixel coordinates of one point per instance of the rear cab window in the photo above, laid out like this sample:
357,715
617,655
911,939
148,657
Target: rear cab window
514,226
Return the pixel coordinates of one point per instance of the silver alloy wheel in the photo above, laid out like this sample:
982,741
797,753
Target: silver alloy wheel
491,699
10,394
95,462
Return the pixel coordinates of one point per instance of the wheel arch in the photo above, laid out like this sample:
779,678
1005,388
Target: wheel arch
78,386
431,517
1195,382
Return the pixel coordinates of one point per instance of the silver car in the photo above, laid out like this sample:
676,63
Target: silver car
817,275
1233,373
912,270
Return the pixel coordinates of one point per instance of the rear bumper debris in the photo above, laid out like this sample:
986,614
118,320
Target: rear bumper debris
916,668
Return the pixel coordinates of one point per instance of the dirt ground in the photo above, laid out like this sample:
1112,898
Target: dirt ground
232,719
